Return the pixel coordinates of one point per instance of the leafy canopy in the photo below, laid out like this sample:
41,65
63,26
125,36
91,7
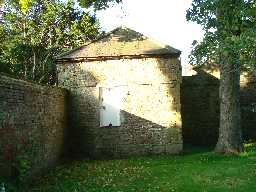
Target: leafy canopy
230,27
33,32
97,4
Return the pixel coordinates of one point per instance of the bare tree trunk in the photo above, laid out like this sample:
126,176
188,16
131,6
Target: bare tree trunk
1,13
34,65
230,134
25,71
24,30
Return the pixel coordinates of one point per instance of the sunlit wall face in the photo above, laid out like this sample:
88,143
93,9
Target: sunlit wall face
150,87
143,97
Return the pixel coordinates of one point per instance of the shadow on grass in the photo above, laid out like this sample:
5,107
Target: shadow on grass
189,149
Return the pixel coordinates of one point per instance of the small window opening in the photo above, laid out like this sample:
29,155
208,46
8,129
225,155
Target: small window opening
110,105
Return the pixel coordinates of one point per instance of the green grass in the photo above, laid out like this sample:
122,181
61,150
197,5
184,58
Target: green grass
193,172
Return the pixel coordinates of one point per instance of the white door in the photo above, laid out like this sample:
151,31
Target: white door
110,105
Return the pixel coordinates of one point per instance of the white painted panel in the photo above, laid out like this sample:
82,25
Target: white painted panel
111,101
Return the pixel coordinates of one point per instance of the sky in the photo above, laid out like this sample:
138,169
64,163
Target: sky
162,20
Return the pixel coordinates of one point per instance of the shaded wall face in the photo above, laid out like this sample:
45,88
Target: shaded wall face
150,109
200,108
248,109
32,126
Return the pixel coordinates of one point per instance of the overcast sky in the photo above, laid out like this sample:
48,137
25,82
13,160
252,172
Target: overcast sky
162,20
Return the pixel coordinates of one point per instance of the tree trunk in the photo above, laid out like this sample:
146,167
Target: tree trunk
34,65
230,134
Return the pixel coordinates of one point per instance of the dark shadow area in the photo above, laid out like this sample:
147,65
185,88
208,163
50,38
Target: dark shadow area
136,136
32,125
189,149
200,109
82,116
248,109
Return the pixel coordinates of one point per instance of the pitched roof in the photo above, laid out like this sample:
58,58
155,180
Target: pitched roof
121,42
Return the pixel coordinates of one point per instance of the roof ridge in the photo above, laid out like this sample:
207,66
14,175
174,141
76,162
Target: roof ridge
122,42
102,36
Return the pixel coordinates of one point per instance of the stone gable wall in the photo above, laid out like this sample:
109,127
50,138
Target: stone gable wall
32,127
150,114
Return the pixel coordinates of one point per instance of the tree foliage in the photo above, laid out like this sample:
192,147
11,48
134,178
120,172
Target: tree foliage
34,32
228,25
97,4
230,41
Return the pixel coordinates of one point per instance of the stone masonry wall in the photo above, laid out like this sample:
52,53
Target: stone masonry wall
32,127
150,113
200,108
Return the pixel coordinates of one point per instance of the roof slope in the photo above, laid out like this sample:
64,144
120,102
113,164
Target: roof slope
121,42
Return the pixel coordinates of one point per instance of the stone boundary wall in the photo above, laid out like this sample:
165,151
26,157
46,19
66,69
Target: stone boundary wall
32,127
200,109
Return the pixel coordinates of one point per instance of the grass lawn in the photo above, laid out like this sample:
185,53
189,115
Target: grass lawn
192,172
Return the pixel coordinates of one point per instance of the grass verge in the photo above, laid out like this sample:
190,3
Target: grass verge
196,171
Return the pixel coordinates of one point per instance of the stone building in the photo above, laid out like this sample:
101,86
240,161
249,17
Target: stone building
124,96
